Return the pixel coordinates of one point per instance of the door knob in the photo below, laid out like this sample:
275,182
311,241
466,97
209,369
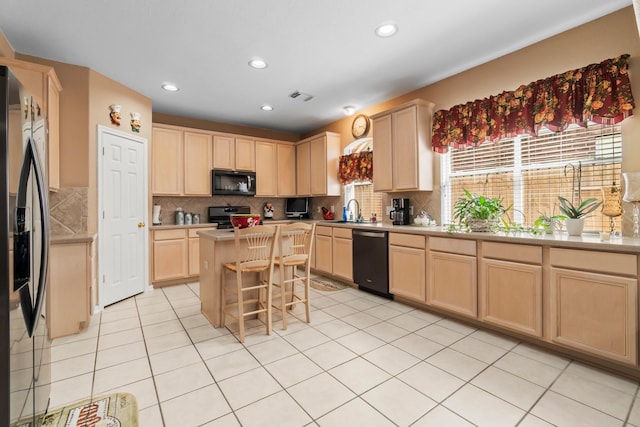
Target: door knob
141,224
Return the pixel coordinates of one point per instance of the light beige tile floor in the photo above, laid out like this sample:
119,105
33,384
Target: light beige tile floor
363,360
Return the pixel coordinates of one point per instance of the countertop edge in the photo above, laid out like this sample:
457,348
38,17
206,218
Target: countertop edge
72,238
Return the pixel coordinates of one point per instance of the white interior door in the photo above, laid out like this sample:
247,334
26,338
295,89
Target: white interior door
123,233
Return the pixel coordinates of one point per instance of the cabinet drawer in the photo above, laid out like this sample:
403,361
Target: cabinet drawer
409,240
169,234
456,246
344,233
510,252
323,231
604,262
193,232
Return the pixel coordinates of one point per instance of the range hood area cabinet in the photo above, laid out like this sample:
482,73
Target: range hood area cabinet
402,148
317,161
234,153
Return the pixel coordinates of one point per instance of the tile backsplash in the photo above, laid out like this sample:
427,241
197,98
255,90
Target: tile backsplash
68,211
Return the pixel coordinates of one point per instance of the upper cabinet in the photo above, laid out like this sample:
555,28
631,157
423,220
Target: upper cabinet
180,162
275,169
320,176
41,84
234,153
402,148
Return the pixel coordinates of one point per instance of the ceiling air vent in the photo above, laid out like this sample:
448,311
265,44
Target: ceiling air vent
301,95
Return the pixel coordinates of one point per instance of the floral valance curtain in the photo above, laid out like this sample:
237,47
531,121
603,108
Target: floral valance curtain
356,167
598,92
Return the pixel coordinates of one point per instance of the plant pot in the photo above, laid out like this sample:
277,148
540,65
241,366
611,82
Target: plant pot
574,226
480,225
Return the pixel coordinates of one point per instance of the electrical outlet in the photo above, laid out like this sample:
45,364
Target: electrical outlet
410,210
319,209
388,210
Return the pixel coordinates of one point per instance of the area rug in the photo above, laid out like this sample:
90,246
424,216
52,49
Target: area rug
326,284
112,410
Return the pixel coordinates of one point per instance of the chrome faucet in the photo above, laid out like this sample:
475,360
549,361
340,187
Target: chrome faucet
358,213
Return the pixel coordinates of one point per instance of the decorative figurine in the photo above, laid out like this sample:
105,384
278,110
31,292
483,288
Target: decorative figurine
135,122
114,115
268,211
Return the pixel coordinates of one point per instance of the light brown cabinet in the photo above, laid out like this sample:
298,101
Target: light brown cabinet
324,249
275,169
42,84
402,142
69,294
342,253
407,266
510,287
167,162
318,177
452,275
181,162
197,164
593,303
176,254
234,153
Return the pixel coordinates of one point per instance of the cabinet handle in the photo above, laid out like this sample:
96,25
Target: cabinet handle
141,224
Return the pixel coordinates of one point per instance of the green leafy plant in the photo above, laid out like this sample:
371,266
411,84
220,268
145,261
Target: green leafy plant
583,209
547,223
472,207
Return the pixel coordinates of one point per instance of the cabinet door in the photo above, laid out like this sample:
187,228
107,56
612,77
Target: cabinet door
303,174
595,313
405,149
169,259
286,170
452,283
407,270
166,162
511,295
318,167
224,152
383,154
197,164
266,169
53,130
324,262
343,258
194,256
245,154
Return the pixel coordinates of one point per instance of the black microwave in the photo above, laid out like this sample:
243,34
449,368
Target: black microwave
227,183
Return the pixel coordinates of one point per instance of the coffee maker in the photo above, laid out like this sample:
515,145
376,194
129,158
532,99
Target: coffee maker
400,212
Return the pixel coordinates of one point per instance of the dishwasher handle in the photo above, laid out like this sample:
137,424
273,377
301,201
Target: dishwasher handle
378,234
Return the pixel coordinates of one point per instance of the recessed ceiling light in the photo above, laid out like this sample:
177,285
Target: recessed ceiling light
170,87
266,107
258,63
386,30
349,110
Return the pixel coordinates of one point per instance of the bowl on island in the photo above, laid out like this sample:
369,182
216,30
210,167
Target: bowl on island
245,220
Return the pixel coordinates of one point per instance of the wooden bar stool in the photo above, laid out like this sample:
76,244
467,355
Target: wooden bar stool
255,254
296,242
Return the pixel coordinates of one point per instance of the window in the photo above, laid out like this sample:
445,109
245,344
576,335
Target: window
370,202
531,172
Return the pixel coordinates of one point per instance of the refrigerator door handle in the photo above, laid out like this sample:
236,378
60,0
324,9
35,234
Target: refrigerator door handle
31,309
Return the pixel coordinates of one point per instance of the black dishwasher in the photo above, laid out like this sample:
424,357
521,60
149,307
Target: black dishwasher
370,261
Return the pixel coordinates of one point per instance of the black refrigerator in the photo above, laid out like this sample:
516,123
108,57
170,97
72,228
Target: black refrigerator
25,376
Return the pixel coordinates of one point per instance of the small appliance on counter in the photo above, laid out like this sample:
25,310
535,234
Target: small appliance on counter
400,212
157,215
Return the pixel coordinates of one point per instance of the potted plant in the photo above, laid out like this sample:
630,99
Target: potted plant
478,213
576,214
548,223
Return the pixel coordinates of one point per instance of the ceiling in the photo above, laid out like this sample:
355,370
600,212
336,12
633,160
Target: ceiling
326,48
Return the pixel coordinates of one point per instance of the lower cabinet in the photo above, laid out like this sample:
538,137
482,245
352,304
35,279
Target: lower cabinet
342,253
324,250
594,311
510,287
70,280
407,266
452,275
176,254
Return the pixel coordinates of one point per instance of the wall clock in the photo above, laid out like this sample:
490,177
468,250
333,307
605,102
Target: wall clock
360,126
